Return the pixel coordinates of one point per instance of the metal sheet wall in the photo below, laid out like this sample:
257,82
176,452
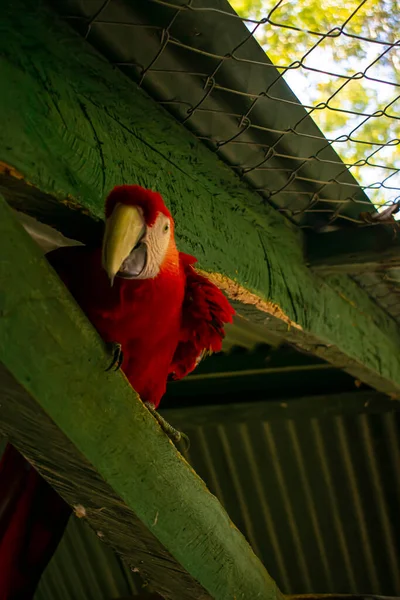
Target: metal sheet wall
317,498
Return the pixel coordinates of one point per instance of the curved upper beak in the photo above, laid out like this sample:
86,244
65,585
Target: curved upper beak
124,229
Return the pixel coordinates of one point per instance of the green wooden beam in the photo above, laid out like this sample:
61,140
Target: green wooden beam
292,597
340,597
290,369
73,127
354,251
318,406
89,434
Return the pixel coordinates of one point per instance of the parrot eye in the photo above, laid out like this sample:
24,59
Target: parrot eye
166,228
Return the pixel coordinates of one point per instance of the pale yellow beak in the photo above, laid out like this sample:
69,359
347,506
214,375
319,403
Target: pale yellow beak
124,228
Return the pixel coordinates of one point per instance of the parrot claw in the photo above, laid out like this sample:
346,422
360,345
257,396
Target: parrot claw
174,435
118,356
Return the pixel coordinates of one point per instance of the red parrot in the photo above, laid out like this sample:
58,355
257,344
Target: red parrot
143,295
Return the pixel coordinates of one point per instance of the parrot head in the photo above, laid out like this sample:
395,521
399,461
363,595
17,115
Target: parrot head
138,240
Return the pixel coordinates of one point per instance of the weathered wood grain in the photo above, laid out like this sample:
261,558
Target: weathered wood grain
354,251
350,403
90,435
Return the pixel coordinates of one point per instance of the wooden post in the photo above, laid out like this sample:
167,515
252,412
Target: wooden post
354,251
90,436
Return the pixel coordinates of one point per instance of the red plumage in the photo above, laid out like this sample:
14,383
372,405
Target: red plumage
150,202
204,312
165,324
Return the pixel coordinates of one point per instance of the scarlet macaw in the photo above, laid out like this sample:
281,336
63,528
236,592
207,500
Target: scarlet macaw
143,295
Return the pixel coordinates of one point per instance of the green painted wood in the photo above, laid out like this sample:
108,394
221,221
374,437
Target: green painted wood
89,434
354,251
261,371
341,597
319,406
74,126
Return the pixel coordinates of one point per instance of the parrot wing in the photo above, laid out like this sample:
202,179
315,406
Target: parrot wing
204,313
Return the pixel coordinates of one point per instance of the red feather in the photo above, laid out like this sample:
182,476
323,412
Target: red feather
150,202
204,312
164,325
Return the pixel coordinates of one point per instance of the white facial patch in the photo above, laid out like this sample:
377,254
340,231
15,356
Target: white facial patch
157,240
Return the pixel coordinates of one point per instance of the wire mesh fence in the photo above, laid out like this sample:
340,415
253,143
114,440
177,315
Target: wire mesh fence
313,182
210,68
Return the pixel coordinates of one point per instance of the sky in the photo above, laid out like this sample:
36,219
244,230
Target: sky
305,85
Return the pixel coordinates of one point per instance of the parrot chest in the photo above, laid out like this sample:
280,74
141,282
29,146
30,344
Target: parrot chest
146,321
144,316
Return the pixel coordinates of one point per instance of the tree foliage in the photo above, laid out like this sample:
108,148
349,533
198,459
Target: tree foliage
328,53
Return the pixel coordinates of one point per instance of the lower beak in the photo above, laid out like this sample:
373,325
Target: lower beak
124,229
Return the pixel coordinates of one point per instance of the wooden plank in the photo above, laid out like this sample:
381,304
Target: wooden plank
89,434
73,127
353,251
341,597
321,406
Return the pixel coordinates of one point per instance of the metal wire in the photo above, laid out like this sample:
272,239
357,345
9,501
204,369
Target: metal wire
381,185
301,188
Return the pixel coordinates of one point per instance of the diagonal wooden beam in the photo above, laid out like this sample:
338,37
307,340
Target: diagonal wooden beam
90,436
73,126
348,403
353,251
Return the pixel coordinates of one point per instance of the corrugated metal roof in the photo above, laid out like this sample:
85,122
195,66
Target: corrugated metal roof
317,498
